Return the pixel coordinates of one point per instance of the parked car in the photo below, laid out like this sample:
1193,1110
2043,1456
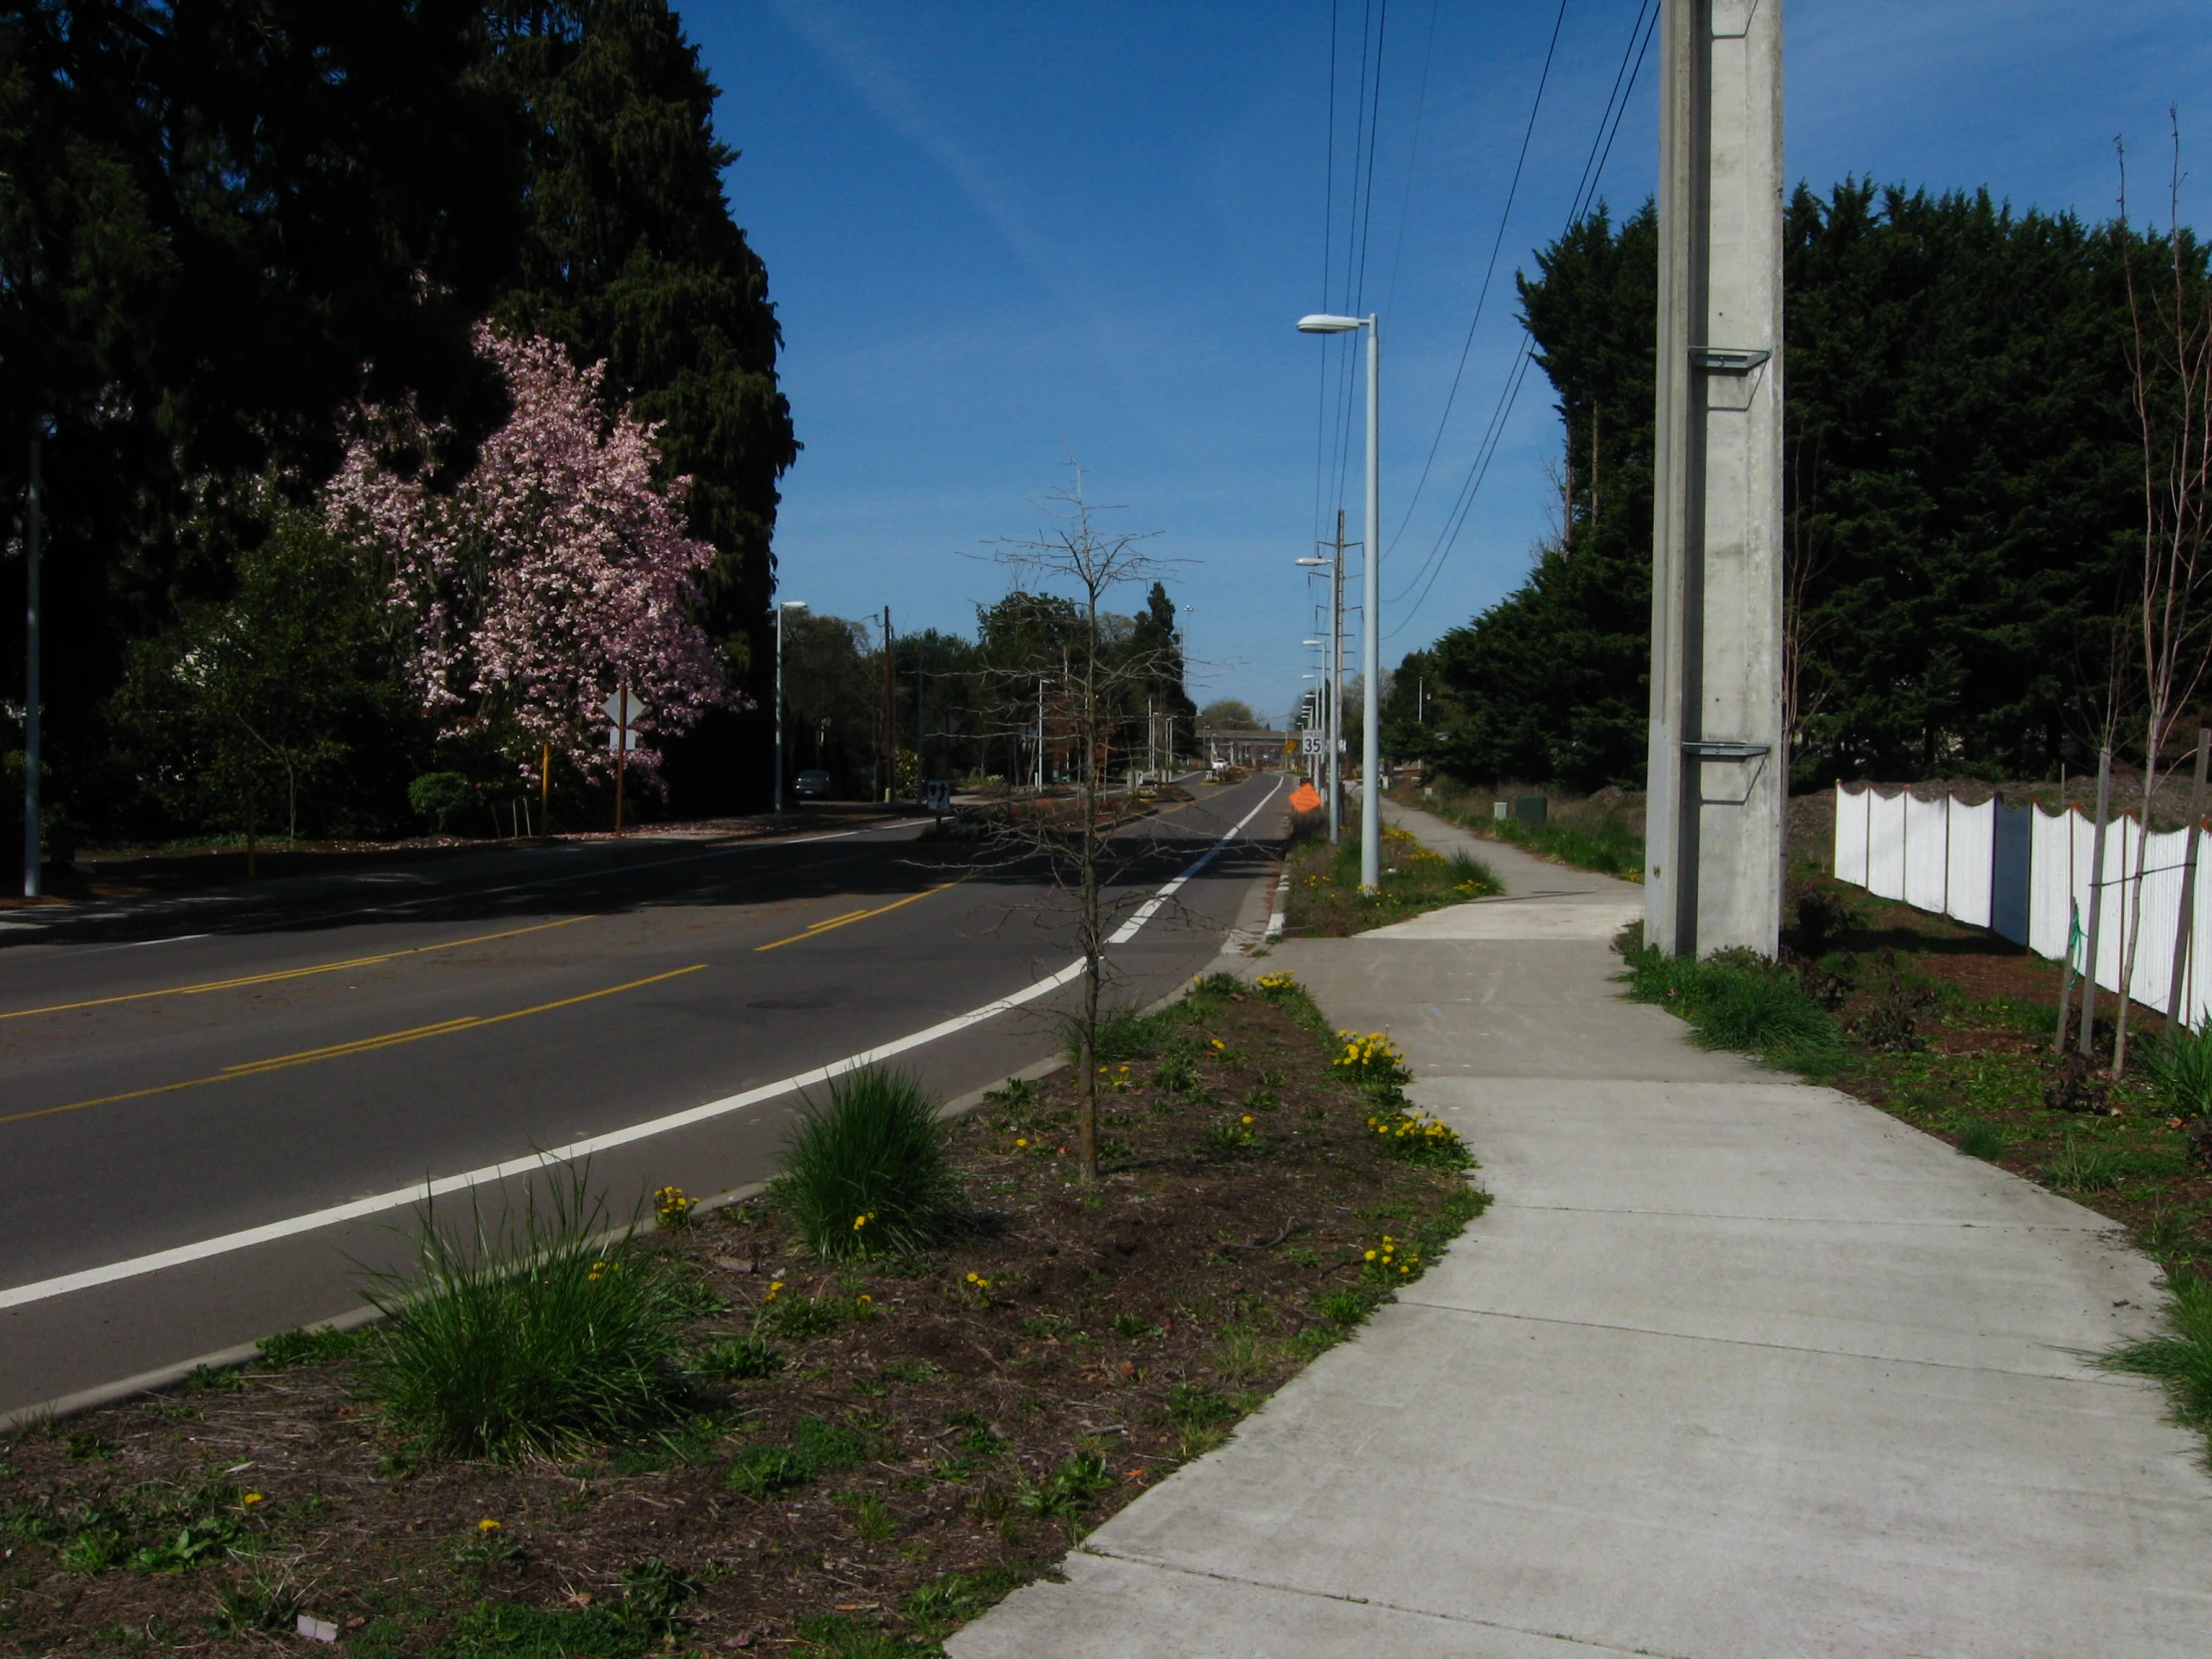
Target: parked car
812,785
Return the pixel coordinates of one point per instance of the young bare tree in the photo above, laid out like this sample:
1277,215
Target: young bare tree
1095,675
2170,365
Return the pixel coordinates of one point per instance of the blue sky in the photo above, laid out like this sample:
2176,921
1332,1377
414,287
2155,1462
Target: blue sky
1001,234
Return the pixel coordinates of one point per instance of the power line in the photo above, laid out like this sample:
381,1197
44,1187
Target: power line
1489,270
1633,53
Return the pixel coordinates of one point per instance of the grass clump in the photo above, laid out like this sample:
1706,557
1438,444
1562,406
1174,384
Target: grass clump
1980,1138
527,1338
2084,1167
1735,999
2181,1066
869,1172
2182,1358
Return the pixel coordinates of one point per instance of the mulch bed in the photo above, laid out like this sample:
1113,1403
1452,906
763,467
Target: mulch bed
966,1417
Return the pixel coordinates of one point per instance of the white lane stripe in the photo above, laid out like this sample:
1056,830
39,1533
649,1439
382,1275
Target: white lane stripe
1128,929
379,1202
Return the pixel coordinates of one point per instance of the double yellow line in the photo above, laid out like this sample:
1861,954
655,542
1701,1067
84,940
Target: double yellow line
360,1045
816,929
272,977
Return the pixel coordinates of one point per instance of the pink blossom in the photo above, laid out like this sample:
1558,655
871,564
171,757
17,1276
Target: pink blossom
555,573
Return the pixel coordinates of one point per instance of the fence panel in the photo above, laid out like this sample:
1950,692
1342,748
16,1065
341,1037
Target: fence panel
2009,864
2050,884
1972,837
1850,834
1926,852
1885,844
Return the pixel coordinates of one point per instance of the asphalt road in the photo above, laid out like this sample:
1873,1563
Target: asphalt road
207,1136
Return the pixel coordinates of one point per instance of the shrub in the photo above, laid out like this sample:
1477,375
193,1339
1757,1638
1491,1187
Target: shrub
527,1338
440,794
868,1171
2181,1066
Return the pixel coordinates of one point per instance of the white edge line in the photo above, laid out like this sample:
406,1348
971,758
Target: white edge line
1129,929
380,1202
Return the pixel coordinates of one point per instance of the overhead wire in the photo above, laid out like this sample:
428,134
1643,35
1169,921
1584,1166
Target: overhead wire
1490,271
1633,54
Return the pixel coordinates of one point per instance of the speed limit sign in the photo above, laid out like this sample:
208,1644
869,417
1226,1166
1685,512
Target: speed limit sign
1310,742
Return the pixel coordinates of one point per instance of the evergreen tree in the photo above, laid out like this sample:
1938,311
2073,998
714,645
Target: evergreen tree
1961,489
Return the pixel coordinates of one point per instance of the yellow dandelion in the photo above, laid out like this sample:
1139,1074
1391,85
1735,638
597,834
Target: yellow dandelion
250,1498
488,1525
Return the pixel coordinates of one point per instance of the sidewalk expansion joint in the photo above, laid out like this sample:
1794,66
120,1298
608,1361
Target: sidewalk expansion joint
1368,1602
2100,1226
2102,1380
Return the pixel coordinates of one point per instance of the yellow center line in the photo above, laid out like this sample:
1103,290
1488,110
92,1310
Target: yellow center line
287,974
822,928
339,1051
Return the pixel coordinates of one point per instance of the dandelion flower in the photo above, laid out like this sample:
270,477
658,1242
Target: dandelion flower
487,1527
1248,1117
250,1498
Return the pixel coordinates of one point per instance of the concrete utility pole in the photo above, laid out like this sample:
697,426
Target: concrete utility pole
1719,762
890,726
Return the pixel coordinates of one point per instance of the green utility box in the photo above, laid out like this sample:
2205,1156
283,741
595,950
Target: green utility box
1529,808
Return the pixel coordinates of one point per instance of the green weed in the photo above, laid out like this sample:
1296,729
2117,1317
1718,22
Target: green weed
1980,1138
2181,1066
2081,1167
291,1349
1739,1002
742,1359
1072,1487
2181,1359
940,1607
869,1171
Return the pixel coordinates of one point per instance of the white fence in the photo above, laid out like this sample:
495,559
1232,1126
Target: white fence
2026,873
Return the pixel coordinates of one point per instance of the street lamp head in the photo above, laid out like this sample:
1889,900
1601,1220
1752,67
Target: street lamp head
795,603
1320,322
1313,641
1310,563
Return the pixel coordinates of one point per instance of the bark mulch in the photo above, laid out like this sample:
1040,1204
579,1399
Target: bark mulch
935,1430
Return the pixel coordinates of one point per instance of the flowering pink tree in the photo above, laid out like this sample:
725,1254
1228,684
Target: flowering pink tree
557,572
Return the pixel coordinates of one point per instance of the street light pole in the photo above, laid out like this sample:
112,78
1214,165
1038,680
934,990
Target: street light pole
1370,815
32,851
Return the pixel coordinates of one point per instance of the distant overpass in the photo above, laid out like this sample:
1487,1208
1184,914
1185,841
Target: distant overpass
1242,748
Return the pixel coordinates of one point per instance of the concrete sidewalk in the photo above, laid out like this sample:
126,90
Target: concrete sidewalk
1734,1366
